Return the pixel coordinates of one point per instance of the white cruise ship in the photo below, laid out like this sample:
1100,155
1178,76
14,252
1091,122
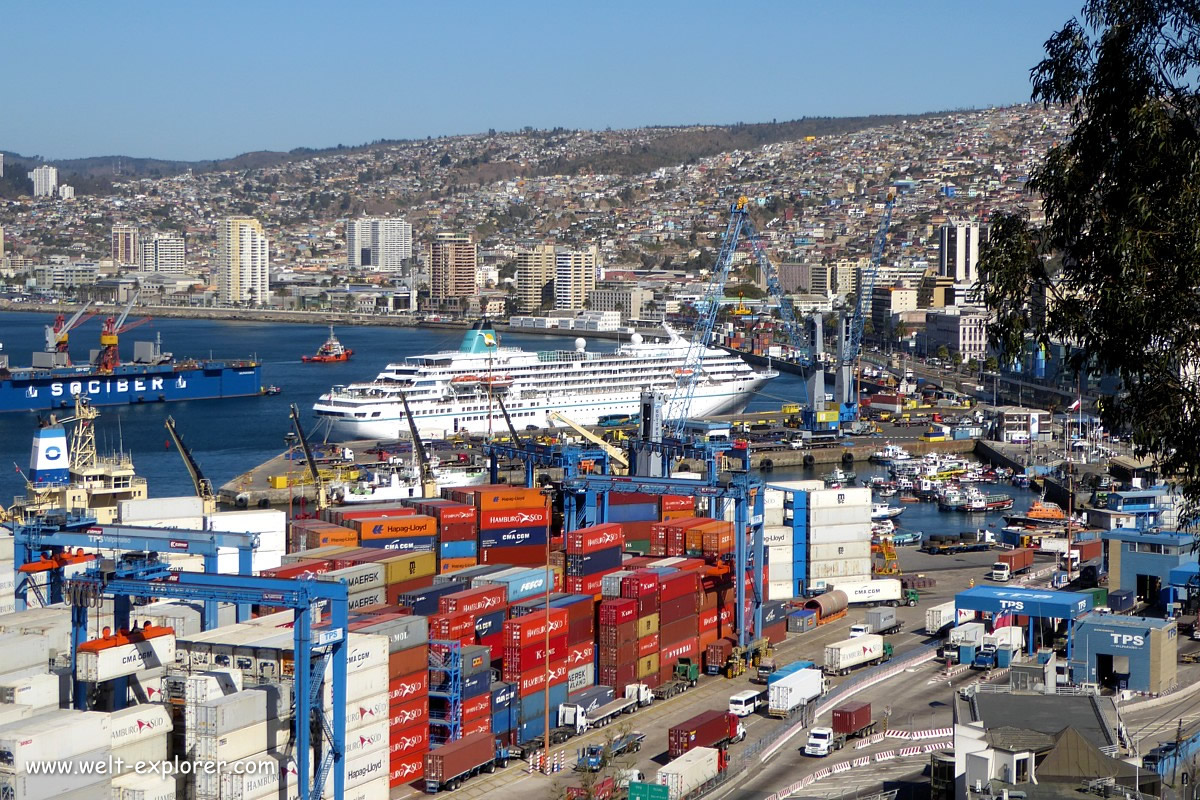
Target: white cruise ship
456,391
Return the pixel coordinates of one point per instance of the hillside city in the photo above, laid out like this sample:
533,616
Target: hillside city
448,227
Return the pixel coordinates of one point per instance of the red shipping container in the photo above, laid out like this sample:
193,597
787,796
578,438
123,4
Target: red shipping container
594,538
639,530
406,662
495,643
481,600
618,611
393,591
637,562
531,628
678,630
479,725
618,677
675,502
538,516
523,555
584,584
580,631
677,585
535,679
580,654
617,634
406,769
476,707
414,585
458,532
613,655
642,583
447,626
584,609
648,645
413,712
413,739
680,607
707,638
404,690
776,633
647,605
717,543
631,499
671,653
523,659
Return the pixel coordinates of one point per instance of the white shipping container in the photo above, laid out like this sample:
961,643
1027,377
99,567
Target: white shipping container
54,735
371,597
135,512
877,590
360,683
74,777
201,686
773,516
780,572
842,569
940,617
840,534
10,712
780,590
376,789
781,555
367,710
183,562
774,535
6,548
367,738
691,770
839,550
147,751
172,523
581,677
361,769
819,518
773,498
151,786
840,657
21,650
125,659
258,776
358,578
35,691
136,723
266,735
794,690
235,711
839,498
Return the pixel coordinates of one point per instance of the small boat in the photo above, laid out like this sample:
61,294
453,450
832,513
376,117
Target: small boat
978,502
881,511
331,351
839,478
1020,480
887,491
271,390
1041,514
890,454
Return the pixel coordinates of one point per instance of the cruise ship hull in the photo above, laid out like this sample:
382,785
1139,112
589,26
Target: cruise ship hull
725,398
48,389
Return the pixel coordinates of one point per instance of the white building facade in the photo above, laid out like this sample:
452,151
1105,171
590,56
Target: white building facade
382,244
243,258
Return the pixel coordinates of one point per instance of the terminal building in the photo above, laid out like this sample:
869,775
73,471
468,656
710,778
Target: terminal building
1141,561
1118,652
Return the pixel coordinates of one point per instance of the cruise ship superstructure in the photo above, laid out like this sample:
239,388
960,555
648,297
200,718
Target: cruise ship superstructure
457,390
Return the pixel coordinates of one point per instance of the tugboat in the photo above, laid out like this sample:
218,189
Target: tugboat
329,352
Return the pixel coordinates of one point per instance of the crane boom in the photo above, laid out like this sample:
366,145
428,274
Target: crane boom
615,453
125,313
318,481
428,480
204,488
512,429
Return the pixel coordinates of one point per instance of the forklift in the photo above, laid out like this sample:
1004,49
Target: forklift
752,654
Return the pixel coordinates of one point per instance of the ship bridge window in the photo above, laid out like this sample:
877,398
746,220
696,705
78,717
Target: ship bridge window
375,413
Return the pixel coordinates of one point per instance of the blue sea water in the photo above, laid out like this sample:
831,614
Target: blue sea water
229,437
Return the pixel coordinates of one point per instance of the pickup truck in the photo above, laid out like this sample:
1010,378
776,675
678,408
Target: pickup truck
594,758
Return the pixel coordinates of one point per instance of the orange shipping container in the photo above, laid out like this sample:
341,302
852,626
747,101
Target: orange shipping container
669,516
393,527
718,542
694,539
331,536
495,498
455,564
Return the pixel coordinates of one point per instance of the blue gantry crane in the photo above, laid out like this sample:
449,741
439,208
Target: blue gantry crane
142,575
850,339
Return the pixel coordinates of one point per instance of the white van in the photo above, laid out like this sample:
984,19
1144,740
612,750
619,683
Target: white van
628,776
743,704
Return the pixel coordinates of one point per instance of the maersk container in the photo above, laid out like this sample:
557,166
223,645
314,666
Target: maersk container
404,632
690,771
843,656
370,597
357,578
794,690
52,736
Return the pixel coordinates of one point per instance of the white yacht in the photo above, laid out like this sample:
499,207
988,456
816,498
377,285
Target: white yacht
460,390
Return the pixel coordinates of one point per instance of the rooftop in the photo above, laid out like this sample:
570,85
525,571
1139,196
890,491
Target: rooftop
1045,714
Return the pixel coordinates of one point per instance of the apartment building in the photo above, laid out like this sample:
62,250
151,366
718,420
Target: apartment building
45,181
163,253
381,244
574,276
452,260
125,245
243,259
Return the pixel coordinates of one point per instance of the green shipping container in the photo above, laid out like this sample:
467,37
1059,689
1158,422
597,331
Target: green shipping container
647,791
1099,597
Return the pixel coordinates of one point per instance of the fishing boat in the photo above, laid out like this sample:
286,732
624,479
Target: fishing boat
839,478
1020,480
887,491
890,454
951,499
884,527
978,502
1040,515
272,390
333,350
884,511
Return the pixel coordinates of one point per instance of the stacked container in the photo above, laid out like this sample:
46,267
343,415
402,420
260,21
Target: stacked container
539,672
637,514
401,533
514,522
61,737
592,553
617,642
678,619
458,532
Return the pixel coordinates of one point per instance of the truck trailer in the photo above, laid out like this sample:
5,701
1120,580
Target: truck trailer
879,620
454,762
850,720
793,691
843,656
709,729
879,592
1014,562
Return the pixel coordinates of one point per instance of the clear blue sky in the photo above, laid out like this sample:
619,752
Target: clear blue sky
197,80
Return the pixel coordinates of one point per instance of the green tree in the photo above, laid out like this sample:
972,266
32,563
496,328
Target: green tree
943,352
991,365
973,365
1121,198
956,357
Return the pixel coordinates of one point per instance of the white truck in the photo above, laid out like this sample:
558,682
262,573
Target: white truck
843,656
1010,636
795,690
574,718
879,620
689,772
967,633
883,591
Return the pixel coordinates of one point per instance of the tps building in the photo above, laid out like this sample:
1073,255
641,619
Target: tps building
1119,652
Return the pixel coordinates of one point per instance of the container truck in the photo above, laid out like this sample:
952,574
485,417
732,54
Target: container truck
792,691
574,717
843,656
879,620
454,762
1009,638
1012,563
594,758
709,729
685,674
965,542
883,591
850,720
942,616
689,772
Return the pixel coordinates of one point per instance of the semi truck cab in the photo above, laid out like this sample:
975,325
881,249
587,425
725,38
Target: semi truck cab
823,741
1001,571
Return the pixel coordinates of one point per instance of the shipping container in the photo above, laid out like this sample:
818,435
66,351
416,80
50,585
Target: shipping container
851,718
689,772
515,518
593,538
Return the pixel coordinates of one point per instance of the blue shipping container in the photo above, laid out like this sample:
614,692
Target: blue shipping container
533,705
592,697
502,695
558,696
773,611
487,624
511,537
457,549
531,729
425,601
477,684
524,584
637,512
504,721
605,560
408,544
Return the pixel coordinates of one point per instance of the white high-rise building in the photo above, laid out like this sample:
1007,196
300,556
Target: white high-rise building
243,258
124,245
66,192
574,276
1,165
383,244
959,250
164,252
45,181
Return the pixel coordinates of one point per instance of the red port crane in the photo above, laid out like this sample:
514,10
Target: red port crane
109,358
57,335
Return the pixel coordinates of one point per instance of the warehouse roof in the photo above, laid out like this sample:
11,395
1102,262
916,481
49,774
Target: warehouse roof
1157,537
1121,621
1183,574
1047,714
1030,602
